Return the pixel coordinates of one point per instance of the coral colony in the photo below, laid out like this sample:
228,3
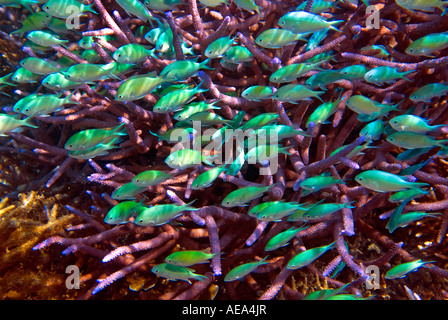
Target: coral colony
233,149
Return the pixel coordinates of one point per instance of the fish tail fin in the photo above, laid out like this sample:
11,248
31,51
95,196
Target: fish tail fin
68,100
419,185
204,64
285,150
90,9
332,23
200,277
441,143
27,122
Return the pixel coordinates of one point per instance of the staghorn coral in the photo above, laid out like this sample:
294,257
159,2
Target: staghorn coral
116,261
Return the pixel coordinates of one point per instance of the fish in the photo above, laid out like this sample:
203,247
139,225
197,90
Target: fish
323,78
373,130
409,122
45,104
354,72
89,72
427,45
12,123
137,87
318,6
382,181
175,134
380,51
128,191
277,211
413,140
195,107
295,92
302,21
277,38
65,8
45,39
136,8
404,195
243,270
282,239
120,213
237,54
23,75
213,3
162,213
363,105
423,5
206,178
150,178
323,112
382,74
207,118
308,256
260,120
219,47
188,258
401,220
248,5
162,5
429,91
258,93
314,184
131,53
324,210
240,197
95,151
187,158
172,272
89,138
56,81
35,21
182,69
39,66
401,270
237,164
264,153
175,100
293,71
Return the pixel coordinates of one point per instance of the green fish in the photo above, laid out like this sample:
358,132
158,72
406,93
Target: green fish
277,211
282,239
219,47
323,78
45,39
213,3
404,195
10,123
364,105
162,5
162,213
89,72
382,74
265,153
66,8
298,214
150,178
89,138
207,118
153,35
321,211
193,108
295,92
292,71
277,38
402,220
357,151
429,91
381,51
127,191
131,53
353,72
95,151
243,270
164,43
175,100
237,54
39,66
240,197
187,158
258,93
206,178
403,269
260,120
23,75
137,87
382,181
302,21
412,140
44,104
307,257
175,134
182,69
172,272
427,45
423,5
238,163
260,207
317,37
373,130
121,212
314,184
136,8
35,21
248,5
323,112
274,133
188,258
409,122
318,6
57,81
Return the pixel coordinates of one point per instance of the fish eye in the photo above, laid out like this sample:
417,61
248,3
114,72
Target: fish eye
227,202
282,22
395,121
360,179
120,96
260,40
169,260
140,221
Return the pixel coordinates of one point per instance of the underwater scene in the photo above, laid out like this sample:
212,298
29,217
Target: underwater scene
223,150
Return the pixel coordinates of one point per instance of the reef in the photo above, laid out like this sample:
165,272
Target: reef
55,198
